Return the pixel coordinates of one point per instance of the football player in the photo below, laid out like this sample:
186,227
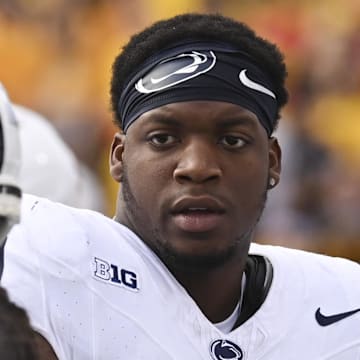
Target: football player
17,338
10,193
176,274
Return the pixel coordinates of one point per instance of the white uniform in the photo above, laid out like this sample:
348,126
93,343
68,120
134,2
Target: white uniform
96,291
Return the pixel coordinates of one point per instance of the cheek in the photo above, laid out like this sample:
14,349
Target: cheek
252,173
250,185
147,176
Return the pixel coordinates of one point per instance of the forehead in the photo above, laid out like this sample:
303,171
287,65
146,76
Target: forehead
199,114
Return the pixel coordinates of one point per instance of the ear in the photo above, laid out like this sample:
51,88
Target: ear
274,162
116,155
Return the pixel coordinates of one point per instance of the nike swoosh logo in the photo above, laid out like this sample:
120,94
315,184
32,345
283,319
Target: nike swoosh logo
254,85
197,60
324,320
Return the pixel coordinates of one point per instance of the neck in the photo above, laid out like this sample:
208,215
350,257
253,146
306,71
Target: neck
215,291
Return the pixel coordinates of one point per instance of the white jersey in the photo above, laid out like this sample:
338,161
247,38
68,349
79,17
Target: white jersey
94,290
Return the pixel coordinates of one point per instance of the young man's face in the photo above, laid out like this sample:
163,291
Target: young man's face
194,177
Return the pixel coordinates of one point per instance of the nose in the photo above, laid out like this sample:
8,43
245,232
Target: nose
197,163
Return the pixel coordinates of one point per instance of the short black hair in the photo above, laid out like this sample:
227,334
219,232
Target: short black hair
163,34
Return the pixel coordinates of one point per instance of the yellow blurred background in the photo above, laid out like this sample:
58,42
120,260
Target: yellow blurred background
56,58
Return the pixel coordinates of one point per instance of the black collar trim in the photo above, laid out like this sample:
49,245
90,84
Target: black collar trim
259,276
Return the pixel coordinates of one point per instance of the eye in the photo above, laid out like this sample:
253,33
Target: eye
233,142
162,139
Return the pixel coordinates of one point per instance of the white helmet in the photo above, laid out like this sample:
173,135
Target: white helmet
10,193
49,168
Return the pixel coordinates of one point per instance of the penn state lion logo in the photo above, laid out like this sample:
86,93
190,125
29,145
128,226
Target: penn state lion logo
176,70
225,350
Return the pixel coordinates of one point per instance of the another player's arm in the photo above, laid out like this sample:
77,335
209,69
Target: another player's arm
45,351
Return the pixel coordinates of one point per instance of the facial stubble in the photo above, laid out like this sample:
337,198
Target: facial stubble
164,249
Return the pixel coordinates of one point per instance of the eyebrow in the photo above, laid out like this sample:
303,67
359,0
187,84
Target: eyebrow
164,120
237,121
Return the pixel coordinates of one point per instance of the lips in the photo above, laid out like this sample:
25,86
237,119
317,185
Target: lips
197,214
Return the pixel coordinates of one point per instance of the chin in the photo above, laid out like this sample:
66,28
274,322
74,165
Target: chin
195,259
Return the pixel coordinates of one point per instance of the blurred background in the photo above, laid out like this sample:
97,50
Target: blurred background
56,58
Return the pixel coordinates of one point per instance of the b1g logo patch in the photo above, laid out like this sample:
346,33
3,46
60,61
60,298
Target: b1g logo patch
115,275
225,350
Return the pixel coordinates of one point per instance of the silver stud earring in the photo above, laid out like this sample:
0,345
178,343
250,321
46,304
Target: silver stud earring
272,182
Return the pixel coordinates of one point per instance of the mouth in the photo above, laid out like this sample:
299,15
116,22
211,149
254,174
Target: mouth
197,214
